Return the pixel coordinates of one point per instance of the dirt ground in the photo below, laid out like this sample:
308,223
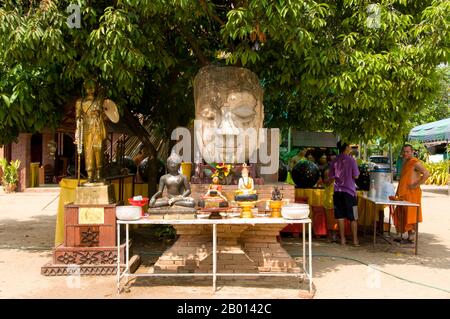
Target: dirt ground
27,228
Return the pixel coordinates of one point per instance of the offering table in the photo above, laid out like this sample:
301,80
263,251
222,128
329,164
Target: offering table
382,201
224,247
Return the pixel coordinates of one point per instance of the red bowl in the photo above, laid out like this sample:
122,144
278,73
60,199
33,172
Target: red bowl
140,202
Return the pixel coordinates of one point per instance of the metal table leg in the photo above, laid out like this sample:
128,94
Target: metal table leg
127,266
403,212
214,256
365,217
375,225
118,259
304,247
310,257
417,231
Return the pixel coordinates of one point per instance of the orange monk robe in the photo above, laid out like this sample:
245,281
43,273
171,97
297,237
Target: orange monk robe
216,187
406,216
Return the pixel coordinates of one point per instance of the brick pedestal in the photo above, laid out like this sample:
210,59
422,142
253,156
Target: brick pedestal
189,252
240,249
261,245
90,246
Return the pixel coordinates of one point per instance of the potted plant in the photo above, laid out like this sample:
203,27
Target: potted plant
10,174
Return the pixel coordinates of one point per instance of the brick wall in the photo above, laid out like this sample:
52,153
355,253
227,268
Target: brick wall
264,191
240,249
21,151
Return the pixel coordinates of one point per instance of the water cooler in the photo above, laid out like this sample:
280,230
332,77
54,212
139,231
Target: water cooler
381,184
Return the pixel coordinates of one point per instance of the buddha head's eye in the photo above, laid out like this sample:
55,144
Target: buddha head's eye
245,112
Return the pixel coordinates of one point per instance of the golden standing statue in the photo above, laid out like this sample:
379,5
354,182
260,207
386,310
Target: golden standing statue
91,129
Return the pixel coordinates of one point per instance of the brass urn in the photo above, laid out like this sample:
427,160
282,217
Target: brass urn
246,209
275,206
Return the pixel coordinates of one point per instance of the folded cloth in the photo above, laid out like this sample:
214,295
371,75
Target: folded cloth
246,197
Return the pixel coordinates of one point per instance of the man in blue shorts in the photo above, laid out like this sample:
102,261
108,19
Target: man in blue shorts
344,171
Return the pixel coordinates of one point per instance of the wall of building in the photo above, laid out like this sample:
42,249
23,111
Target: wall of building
2,155
22,151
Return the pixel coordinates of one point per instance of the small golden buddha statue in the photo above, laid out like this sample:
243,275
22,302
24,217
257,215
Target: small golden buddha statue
246,191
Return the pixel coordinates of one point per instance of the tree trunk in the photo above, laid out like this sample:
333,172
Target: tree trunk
135,126
152,170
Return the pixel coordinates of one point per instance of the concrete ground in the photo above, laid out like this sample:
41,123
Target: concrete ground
27,226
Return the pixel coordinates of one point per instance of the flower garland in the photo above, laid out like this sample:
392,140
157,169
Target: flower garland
221,170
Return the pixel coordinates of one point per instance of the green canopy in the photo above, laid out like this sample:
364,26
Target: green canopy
431,132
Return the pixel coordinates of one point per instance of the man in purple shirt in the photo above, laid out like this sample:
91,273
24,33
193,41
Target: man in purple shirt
344,171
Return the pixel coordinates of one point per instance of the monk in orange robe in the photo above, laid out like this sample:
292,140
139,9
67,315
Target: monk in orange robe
412,176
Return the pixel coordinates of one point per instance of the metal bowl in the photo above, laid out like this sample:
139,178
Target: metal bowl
128,212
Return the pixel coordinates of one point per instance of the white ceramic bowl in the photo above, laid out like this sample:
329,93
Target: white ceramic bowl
203,215
295,207
295,211
128,212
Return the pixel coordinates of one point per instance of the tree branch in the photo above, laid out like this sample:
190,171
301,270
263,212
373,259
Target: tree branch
211,14
195,47
137,129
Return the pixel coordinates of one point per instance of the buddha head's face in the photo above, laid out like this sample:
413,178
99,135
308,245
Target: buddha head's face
215,180
173,163
228,101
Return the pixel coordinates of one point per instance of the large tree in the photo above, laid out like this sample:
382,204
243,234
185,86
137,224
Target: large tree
359,69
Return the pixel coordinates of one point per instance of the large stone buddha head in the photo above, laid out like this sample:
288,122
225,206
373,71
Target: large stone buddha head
228,102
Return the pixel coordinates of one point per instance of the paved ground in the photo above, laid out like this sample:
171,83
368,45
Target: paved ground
27,225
